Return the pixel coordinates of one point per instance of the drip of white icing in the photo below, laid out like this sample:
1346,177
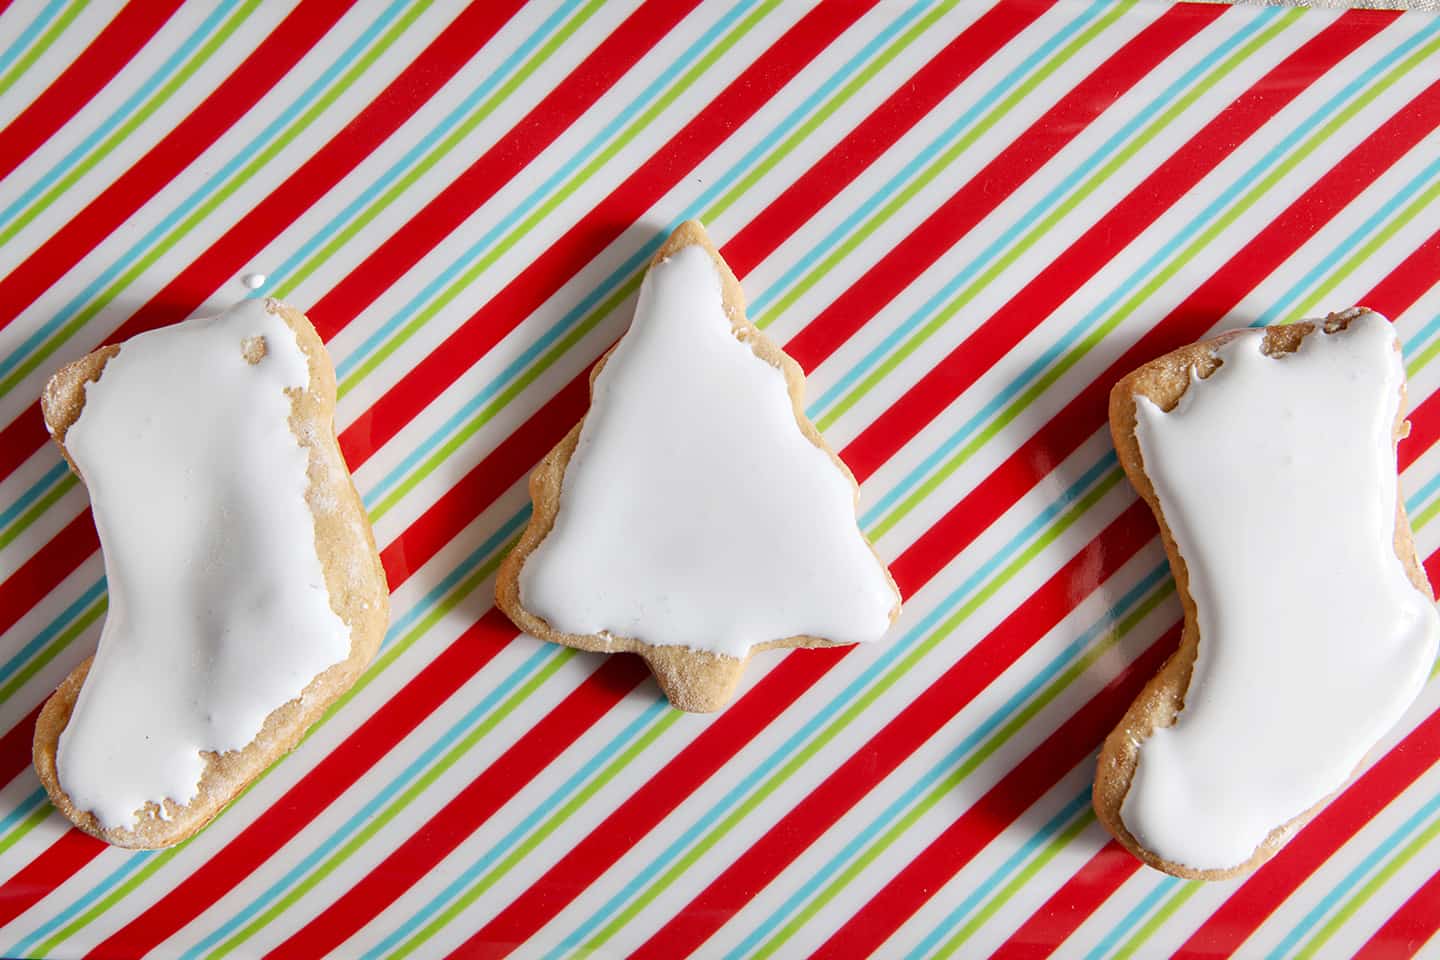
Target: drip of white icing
694,512
219,612
253,281
1277,478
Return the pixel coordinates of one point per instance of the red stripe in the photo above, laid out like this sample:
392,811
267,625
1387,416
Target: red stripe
595,75
260,71
1409,928
15,746
96,66
1061,915
331,777
600,227
1105,239
43,572
922,246
1071,743
1408,282
913,726
42,875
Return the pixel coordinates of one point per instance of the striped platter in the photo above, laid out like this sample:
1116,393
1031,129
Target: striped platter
965,220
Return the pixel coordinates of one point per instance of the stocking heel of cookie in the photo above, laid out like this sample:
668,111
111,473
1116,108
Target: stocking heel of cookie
695,680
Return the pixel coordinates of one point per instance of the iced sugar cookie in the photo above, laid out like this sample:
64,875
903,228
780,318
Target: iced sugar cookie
695,515
1268,458
245,591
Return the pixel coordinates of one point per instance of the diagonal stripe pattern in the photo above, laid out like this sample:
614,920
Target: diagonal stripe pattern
965,220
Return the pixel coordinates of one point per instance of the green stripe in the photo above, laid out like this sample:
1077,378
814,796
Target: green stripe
1043,229
43,44
855,710
24,827
1365,251
1366,892
302,123
20,523
946,787
1007,893
480,114
122,133
508,242
558,819
939,166
1157,919
421,784
51,650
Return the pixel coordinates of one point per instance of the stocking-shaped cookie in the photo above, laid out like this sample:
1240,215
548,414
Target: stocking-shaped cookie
695,515
245,591
1268,457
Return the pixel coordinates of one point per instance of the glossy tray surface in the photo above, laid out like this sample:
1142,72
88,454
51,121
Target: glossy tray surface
964,220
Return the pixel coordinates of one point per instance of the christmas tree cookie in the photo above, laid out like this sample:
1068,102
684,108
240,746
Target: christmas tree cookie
695,515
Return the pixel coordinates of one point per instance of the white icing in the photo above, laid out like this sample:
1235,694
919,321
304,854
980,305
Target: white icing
1277,478
253,281
219,611
694,512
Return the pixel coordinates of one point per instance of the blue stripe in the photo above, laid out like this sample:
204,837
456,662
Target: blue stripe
492,543
28,35
952,761
1154,263
132,861
1421,496
637,261
367,196
167,70
51,476
1132,919
1014,232
244,156
477,869
579,157
21,810
1363,869
1332,260
95,591
825,716
923,158
487,705
981,893
1423,337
